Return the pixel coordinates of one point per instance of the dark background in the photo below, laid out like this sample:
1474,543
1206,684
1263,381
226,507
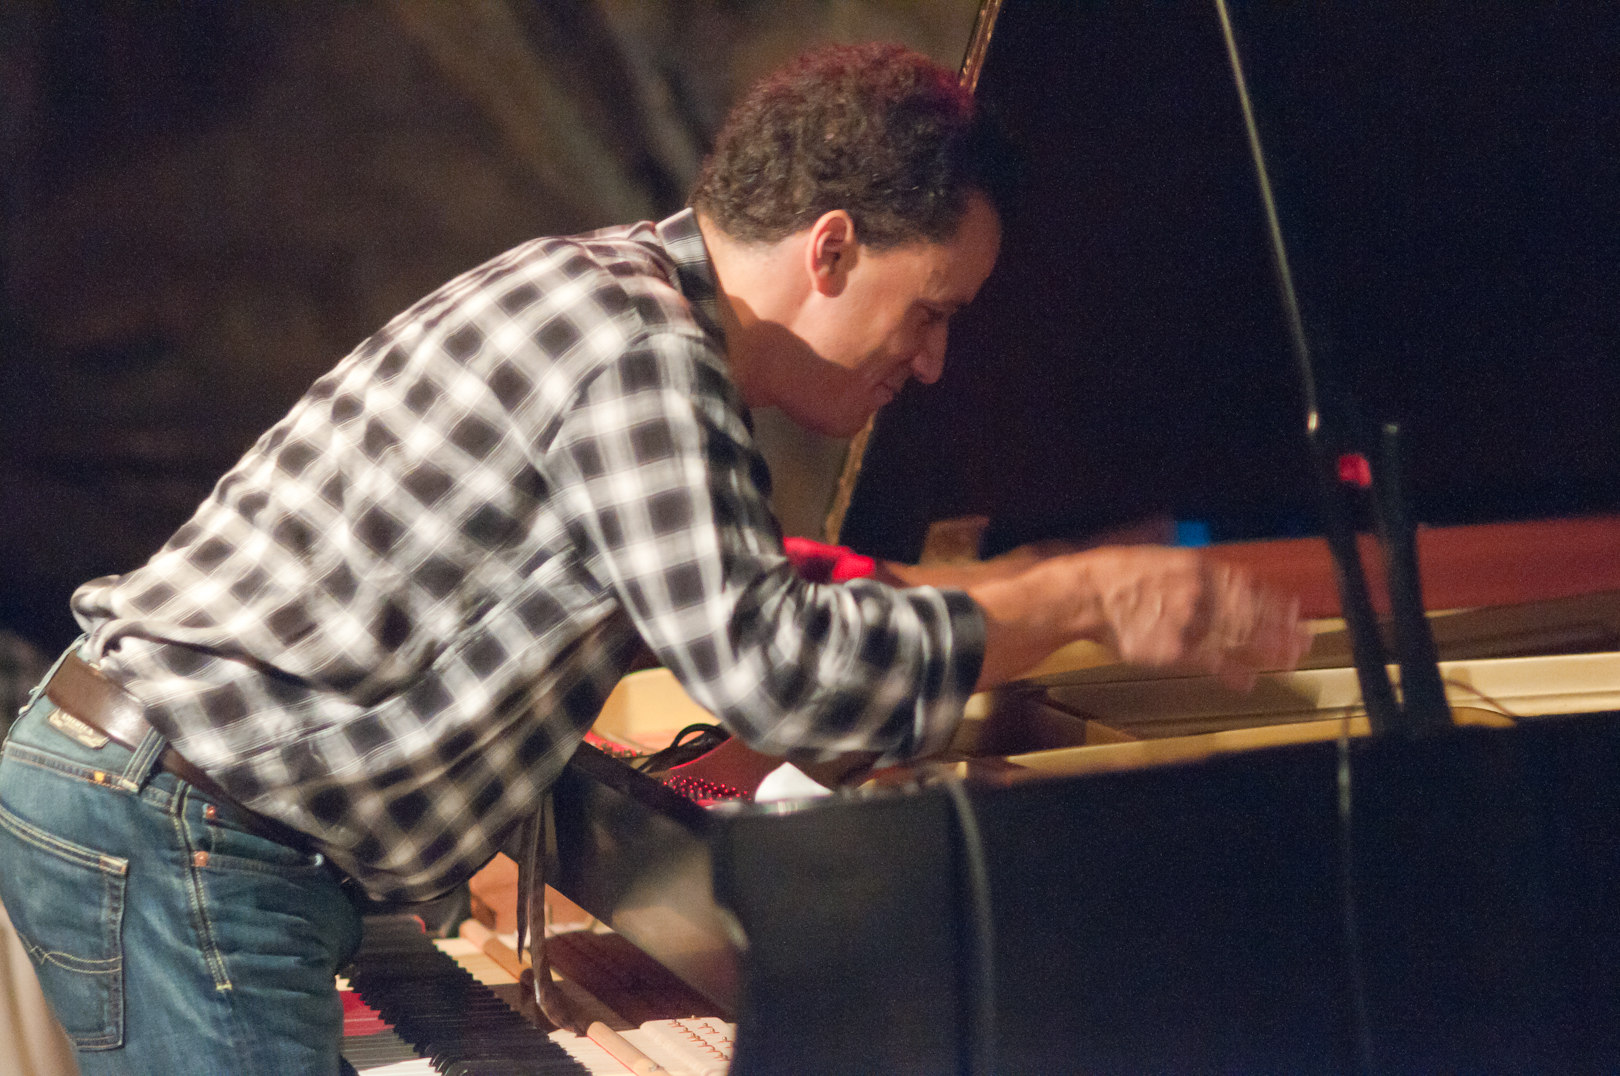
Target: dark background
1446,177
203,206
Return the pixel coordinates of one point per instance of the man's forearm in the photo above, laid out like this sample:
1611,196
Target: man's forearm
1152,605
971,573
1029,614
966,574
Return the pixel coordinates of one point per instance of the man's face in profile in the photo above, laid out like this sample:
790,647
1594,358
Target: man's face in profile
888,323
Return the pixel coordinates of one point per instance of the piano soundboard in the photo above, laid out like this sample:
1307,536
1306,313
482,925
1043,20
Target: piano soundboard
416,1006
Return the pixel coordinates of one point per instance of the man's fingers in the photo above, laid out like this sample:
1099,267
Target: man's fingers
1251,629
1181,609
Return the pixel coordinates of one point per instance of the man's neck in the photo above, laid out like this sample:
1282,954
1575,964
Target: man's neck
756,288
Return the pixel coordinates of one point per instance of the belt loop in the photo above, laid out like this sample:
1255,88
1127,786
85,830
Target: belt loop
144,761
39,688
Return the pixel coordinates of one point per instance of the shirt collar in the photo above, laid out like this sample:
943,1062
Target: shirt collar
694,272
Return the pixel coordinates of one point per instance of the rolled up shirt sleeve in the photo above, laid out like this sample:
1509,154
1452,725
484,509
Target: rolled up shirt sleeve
668,498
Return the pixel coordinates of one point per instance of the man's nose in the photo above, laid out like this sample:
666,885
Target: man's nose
929,362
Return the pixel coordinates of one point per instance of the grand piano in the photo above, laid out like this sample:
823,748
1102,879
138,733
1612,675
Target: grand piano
1130,873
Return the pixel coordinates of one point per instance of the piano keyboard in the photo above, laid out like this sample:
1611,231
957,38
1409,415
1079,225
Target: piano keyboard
455,1024
410,1009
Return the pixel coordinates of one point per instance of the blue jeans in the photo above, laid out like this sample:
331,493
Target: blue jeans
167,938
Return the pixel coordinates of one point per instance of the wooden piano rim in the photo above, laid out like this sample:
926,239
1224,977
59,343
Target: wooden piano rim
1466,566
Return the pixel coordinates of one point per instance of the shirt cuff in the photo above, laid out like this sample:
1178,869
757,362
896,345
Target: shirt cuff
963,664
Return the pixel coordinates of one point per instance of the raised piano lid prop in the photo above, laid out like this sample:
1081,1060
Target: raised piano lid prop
1150,875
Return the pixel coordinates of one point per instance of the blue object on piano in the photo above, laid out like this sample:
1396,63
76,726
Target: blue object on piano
1192,533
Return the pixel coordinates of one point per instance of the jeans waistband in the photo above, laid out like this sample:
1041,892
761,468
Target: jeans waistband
80,690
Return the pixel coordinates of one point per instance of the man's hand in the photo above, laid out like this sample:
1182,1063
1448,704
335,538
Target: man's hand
1151,604
1177,607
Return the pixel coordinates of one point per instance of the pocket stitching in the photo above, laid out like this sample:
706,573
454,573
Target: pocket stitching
24,755
69,962
46,842
113,872
224,861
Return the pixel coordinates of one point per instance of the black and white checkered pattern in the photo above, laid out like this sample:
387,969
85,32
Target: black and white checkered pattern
394,619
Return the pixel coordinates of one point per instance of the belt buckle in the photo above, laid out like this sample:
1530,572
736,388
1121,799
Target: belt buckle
74,729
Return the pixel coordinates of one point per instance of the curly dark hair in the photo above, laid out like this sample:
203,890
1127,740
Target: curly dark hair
877,130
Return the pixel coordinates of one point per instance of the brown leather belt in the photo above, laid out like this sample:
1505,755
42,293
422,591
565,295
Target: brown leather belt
80,690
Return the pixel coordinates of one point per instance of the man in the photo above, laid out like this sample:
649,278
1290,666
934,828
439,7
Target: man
381,637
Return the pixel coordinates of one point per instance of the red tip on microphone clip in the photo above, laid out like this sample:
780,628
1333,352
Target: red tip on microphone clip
1354,470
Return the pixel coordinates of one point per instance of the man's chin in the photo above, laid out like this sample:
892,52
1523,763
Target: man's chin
847,427
841,425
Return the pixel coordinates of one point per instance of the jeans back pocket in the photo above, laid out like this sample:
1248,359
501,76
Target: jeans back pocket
67,905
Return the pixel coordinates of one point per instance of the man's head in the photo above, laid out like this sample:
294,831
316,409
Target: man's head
850,211
876,130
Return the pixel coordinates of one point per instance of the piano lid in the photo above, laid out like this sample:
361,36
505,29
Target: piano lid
1445,180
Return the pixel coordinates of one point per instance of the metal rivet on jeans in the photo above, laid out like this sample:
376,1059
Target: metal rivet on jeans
199,859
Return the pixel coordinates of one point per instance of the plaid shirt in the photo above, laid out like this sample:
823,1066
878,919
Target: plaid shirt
392,622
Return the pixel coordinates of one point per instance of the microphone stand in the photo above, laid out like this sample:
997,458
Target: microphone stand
1422,705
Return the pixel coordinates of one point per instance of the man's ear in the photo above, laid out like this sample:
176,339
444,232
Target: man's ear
830,252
